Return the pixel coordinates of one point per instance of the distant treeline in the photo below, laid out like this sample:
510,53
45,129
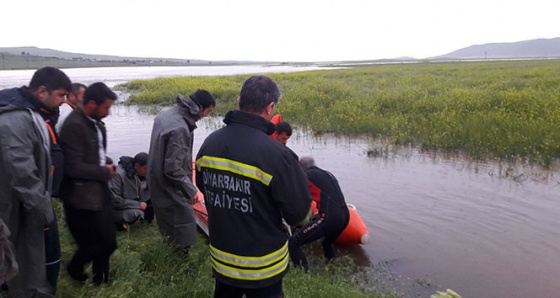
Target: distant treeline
25,61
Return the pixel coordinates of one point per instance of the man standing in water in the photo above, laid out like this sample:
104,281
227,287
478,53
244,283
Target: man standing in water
25,178
250,182
85,191
170,168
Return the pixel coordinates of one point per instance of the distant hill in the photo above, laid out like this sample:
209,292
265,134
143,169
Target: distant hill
535,48
40,52
33,58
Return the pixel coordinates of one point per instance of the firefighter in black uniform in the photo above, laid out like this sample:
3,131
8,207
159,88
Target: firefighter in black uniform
250,182
331,220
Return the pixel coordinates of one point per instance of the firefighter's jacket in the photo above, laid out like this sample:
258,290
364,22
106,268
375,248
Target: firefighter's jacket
250,182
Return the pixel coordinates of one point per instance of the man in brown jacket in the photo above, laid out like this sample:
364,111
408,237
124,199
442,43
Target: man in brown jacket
85,191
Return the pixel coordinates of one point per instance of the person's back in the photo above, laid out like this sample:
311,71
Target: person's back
170,128
332,218
331,198
263,158
170,168
250,181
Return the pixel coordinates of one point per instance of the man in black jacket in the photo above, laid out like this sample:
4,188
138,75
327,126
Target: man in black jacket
250,182
332,218
85,190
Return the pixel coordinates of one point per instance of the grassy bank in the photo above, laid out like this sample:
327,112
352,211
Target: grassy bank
505,110
143,266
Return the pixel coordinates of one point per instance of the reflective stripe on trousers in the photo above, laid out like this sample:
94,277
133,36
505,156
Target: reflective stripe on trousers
249,267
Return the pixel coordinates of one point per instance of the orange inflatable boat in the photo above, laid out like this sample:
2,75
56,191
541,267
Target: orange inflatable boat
356,232
201,215
200,212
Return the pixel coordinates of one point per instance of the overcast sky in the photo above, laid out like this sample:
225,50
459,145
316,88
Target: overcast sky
267,30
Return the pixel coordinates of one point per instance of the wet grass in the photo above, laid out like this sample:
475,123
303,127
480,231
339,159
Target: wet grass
507,110
143,266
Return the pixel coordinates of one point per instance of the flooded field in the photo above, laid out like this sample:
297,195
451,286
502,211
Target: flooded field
437,221
483,229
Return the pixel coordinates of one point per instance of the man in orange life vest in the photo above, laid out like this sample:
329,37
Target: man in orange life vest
331,220
283,132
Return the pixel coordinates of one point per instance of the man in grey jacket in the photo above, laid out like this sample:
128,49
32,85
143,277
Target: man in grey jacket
25,178
170,168
129,192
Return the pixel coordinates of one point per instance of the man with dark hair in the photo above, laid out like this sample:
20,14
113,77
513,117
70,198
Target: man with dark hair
331,219
170,168
85,191
250,182
283,132
129,192
75,99
25,179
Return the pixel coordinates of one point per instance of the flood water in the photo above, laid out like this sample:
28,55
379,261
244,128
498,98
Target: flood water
483,229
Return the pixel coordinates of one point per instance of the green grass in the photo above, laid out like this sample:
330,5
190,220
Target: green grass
143,266
507,110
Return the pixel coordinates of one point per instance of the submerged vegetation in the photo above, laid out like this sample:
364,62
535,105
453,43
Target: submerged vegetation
506,110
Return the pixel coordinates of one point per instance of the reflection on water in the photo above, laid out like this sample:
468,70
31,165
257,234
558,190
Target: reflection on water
117,75
435,219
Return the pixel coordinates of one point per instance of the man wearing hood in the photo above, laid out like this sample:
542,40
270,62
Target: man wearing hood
26,176
170,168
129,192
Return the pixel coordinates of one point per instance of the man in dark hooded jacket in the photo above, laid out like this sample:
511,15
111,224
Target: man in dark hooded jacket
170,168
26,177
129,192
